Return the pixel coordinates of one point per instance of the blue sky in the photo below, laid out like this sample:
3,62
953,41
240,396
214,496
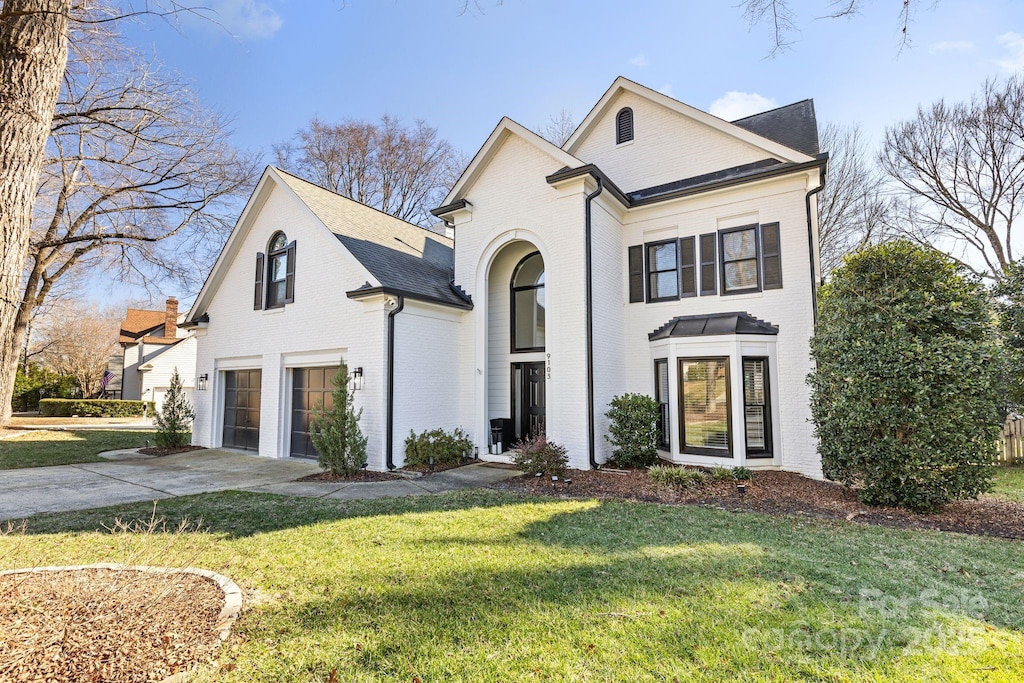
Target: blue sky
274,64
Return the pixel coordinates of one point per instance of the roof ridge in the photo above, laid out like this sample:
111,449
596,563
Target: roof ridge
358,203
769,111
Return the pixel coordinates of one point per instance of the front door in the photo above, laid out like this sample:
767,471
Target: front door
528,399
242,409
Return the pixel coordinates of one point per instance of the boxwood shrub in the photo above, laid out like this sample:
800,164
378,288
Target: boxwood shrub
633,430
905,397
93,407
447,448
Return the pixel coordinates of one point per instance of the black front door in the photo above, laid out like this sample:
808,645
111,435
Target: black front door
528,399
242,409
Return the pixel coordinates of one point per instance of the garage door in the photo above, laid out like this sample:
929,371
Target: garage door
311,387
242,409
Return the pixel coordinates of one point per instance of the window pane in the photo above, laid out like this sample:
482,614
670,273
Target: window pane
756,435
529,321
662,256
755,399
530,272
741,275
279,242
664,284
661,391
278,267
705,404
739,245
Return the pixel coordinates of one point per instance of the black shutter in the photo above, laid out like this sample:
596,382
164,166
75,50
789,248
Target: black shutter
636,274
771,256
257,303
708,283
687,267
289,278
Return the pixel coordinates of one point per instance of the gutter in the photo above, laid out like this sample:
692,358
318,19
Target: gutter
823,165
389,446
363,292
590,324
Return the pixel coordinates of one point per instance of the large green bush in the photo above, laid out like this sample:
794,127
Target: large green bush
906,391
92,407
633,430
447,448
1009,292
37,382
340,444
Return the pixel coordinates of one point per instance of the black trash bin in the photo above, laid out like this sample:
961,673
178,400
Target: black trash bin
501,434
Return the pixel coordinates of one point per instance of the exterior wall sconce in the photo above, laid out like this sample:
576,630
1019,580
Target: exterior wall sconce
201,382
357,379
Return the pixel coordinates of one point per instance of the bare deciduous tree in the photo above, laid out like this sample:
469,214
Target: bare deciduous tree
403,171
558,129
78,340
961,167
853,209
781,19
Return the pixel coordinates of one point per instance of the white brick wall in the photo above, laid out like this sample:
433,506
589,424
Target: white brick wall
666,146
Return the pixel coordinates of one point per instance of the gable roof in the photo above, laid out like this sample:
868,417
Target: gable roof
403,257
137,321
770,146
501,132
793,125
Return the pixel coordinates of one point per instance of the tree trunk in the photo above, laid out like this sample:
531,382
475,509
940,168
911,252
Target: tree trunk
33,55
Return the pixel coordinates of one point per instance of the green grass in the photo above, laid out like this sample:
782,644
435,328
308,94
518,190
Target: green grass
482,586
43,447
1009,483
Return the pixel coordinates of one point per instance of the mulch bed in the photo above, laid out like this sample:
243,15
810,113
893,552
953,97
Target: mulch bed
784,493
106,625
170,451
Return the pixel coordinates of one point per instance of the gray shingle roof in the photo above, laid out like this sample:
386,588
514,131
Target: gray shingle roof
712,324
403,257
794,126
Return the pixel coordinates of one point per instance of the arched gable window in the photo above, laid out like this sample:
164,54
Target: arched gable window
278,282
624,126
528,305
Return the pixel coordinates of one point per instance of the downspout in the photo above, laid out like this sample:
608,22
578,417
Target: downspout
389,447
590,328
810,245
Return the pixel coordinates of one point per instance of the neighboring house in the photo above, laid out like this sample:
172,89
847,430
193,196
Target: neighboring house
153,346
661,250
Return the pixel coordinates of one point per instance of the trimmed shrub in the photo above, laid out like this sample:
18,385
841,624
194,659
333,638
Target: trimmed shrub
678,477
538,455
447,448
907,387
340,444
91,407
633,430
1009,292
31,386
174,421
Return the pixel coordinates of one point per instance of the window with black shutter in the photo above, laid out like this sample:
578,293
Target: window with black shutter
624,126
636,274
258,299
771,256
687,267
708,281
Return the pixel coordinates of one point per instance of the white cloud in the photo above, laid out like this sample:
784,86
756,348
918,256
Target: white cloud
1014,60
951,46
639,61
245,18
735,105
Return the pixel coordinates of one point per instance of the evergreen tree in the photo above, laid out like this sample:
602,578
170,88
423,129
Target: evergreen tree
174,421
335,431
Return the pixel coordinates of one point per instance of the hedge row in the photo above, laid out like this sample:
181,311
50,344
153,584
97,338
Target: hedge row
67,407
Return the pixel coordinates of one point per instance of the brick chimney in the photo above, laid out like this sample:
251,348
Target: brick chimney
171,318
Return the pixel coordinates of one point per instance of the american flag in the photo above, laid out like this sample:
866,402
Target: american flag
107,376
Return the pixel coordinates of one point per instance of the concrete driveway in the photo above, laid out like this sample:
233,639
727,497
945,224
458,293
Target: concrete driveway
62,488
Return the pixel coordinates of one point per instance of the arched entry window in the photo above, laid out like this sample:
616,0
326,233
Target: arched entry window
528,304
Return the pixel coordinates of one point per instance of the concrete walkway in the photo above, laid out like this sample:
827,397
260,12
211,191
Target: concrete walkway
63,488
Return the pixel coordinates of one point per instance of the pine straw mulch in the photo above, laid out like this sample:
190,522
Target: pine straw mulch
114,626
783,493
170,451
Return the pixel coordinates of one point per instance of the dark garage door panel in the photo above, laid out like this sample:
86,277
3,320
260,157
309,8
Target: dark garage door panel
242,409
311,388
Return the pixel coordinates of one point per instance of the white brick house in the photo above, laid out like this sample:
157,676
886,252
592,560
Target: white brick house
661,250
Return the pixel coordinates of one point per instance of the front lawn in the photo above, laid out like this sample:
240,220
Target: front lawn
486,586
40,448
1009,483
